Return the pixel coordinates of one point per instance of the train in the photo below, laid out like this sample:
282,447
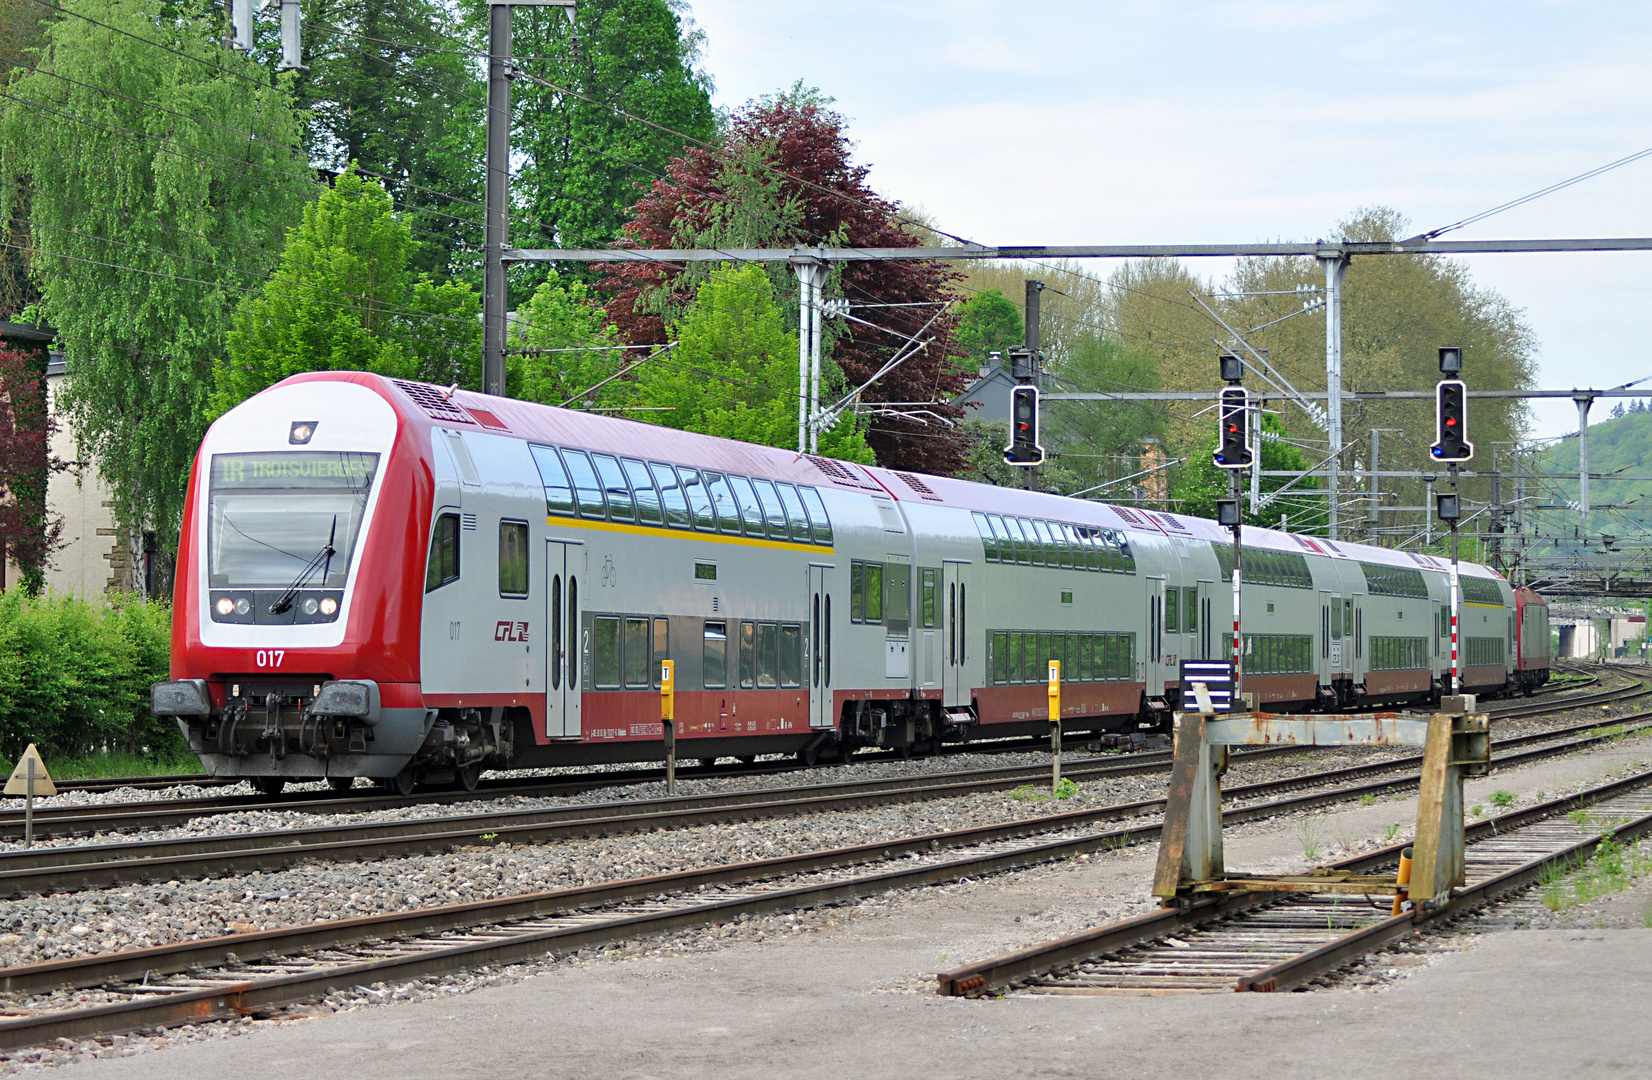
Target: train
388,579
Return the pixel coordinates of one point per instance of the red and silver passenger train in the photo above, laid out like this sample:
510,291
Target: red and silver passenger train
386,579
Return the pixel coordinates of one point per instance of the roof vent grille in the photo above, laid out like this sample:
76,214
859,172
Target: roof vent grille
433,402
918,485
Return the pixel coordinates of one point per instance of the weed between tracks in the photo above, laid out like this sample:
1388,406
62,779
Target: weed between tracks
1611,868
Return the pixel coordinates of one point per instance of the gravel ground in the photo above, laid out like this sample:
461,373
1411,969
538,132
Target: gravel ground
150,915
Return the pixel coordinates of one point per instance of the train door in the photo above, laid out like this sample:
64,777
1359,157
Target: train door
955,688
1357,661
820,645
1153,652
1204,640
1330,636
562,563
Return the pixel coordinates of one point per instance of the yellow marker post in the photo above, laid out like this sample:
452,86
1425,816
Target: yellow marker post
668,722
1055,726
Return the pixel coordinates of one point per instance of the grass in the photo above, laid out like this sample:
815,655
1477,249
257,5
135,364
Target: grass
1368,800
1308,835
1066,789
1390,833
1502,799
1611,868
116,763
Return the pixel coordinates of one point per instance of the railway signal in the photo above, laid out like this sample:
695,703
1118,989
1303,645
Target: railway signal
1451,422
1023,449
1233,437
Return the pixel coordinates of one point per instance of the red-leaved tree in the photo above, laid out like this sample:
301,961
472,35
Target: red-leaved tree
28,534
783,177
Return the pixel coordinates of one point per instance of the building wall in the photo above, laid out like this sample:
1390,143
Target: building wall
92,560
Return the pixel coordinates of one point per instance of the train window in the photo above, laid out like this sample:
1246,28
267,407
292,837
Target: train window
636,652
555,659
1043,550
791,655
748,659
1077,545
865,592
897,602
1063,547
989,542
1348,618
728,515
587,488
1092,550
605,653
714,656
768,656
1021,539
794,512
513,558
927,594
671,496
443,566
814,625
1172,608
773,512
559,493
1086,658
1000,659
573,631
642,485
699,500
1190,611
750,511
613,482
1012,658
662,646
818,521
1005,551
826,639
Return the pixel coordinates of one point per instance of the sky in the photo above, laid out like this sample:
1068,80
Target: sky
1068,122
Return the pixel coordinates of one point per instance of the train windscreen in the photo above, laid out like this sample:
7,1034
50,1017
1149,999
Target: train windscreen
269,515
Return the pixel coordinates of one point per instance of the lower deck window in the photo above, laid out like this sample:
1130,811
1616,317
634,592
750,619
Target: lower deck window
1023,656
1278,654
1398,653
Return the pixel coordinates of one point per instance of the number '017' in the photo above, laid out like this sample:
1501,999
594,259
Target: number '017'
270,657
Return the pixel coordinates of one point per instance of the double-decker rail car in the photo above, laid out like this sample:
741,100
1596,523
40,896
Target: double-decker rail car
386,579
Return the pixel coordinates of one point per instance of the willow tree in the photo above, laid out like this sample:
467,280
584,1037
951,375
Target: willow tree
157,173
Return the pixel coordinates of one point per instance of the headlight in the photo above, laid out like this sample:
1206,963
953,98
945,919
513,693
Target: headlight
310,606
226,606
243,606
329,606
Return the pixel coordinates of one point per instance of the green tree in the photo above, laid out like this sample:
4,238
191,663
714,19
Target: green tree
345,297
1197,484
1092,442
389,88
157,186
585,160
734,370
987,322
562,346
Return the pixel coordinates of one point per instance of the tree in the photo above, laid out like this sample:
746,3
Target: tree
734,370
562,346
986,323
28,533
585,158
783,176
345,297
389,88
1093,442
157,186
1195,487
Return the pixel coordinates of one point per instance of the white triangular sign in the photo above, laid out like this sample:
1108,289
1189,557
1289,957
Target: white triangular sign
19,782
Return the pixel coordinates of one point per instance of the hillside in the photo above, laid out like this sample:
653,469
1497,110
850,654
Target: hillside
1621,445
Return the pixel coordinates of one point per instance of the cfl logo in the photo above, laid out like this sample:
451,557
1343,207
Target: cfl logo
506,630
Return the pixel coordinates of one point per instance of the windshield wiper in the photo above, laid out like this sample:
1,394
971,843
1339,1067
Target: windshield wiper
323,558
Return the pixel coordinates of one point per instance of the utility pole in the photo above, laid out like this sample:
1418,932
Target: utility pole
496,196
1233,453
1334,262
1584,401
1035,358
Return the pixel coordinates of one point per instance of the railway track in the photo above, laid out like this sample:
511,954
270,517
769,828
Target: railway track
85,820
32,871
256,973
1277,941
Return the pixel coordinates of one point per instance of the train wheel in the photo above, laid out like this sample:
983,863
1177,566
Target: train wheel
404,782
467,777
341,783
809,756
846,751
747,759
269,785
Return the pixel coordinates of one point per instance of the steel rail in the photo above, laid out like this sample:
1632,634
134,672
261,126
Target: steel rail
165,813
999,972
244,997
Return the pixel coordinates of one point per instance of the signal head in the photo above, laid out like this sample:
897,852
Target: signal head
1451,360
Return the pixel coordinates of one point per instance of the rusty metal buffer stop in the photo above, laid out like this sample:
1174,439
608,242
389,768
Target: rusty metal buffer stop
1456,742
